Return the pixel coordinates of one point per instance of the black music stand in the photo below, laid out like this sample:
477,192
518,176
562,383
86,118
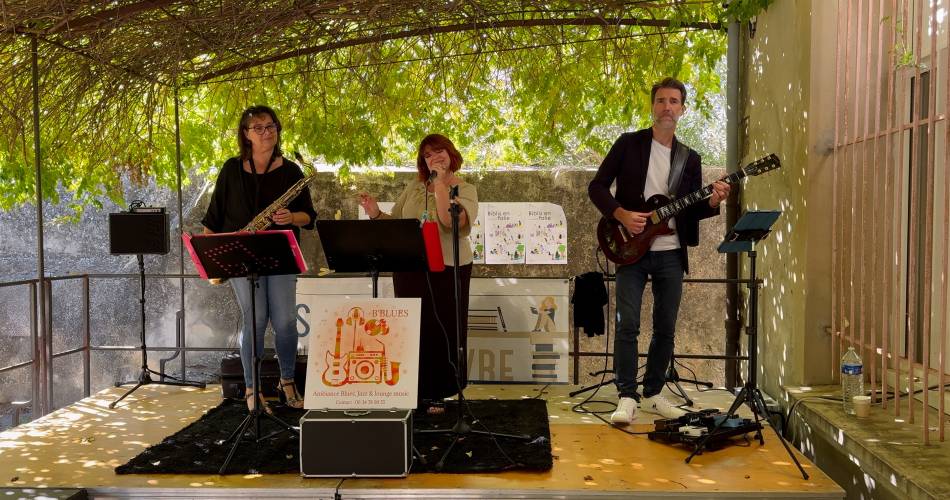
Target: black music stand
373,246
751,227
249,255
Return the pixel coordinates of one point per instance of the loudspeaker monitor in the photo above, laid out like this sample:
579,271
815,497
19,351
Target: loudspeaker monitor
142,231
372,443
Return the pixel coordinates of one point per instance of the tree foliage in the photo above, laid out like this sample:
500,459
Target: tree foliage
546,96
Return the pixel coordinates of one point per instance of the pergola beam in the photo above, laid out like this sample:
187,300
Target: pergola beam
114,14
454,28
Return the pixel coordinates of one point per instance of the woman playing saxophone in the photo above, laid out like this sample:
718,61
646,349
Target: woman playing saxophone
246,185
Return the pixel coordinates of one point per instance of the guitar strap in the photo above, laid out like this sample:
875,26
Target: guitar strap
677,167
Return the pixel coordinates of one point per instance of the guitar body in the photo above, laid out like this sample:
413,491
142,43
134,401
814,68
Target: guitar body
623,247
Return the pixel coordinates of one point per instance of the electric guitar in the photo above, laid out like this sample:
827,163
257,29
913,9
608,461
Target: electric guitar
623,247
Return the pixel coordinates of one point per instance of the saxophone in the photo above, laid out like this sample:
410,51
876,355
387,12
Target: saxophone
263,220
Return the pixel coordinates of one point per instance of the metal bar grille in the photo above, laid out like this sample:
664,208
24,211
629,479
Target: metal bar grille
891,201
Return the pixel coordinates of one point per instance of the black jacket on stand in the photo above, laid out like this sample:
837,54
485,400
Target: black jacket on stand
590,296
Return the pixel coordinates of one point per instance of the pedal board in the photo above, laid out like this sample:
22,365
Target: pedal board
693,427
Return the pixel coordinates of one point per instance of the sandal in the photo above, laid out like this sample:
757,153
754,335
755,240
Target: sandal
249,398
291,398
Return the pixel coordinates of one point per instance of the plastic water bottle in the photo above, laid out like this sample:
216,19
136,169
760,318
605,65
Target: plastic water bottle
852,379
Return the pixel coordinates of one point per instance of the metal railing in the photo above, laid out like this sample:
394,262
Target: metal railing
43,356
890,297
576,353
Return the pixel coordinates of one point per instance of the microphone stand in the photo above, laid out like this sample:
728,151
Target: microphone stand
461,429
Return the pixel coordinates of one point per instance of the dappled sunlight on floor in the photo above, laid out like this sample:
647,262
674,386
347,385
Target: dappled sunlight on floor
90,439
80,446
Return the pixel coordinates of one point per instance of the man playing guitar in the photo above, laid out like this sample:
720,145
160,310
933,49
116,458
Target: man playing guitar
645,163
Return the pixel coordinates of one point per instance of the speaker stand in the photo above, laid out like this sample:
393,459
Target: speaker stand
145,375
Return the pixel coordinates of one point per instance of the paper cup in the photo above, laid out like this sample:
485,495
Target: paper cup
862,406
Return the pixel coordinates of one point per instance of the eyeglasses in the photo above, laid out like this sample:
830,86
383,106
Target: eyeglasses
260,129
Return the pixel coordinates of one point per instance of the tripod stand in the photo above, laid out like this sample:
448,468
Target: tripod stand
250,255
461,429
752,227
254,416
145,374
673,377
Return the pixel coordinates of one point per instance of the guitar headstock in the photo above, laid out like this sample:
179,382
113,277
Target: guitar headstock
762,165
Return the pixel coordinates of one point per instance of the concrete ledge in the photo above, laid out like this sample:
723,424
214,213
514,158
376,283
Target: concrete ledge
881,456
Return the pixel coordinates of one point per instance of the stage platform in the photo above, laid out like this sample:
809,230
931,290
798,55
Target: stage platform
79,446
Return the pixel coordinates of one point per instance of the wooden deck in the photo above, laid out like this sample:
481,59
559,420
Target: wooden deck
79,446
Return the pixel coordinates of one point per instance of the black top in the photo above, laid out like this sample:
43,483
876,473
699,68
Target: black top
233,201
627,163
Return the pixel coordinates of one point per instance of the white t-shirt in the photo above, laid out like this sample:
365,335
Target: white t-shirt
658,177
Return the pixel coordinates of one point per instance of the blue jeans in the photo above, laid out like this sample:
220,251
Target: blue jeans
666,271
275,301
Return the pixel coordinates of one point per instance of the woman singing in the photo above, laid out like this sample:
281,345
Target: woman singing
427,198
246,185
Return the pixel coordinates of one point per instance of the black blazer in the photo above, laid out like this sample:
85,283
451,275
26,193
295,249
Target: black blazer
627,163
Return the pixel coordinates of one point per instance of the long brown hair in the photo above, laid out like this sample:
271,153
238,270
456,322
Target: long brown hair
437,141
244,145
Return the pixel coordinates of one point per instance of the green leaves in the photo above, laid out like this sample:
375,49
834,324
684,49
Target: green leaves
744,10
546,96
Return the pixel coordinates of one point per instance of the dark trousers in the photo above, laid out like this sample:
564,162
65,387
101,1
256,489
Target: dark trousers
438,348
666,271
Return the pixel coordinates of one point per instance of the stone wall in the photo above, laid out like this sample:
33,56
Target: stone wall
702,313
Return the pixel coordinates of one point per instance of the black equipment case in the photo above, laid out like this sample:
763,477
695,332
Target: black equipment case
232,375
356,443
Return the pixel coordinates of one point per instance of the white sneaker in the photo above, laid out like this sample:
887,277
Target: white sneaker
659,405
626,410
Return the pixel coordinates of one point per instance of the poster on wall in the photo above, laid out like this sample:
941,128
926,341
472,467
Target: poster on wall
505,233
518,330
364,354
477,236
546,234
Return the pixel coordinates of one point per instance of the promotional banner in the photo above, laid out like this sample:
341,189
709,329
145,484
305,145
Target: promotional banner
364,354
518,330
313,291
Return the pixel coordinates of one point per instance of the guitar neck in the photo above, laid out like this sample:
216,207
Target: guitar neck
676,206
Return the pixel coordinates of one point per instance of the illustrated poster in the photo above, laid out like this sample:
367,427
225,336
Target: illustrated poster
477,236
364,354
547,234
505,233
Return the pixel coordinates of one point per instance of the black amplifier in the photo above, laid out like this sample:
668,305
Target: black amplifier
356,443
144,230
